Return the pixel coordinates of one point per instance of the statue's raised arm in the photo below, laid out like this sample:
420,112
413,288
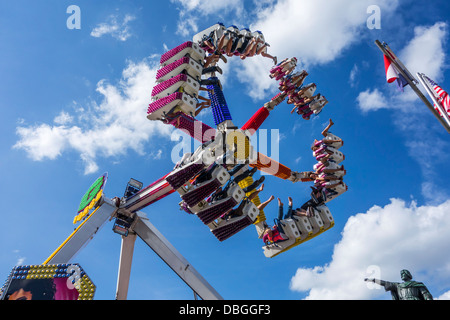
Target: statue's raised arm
406,290
377,281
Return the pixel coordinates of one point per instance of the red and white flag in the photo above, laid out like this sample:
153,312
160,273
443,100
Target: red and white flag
391,72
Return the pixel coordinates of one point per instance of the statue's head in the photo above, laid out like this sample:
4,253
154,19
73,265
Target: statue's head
406,275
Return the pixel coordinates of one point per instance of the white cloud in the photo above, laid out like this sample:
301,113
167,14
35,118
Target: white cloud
107,129
63,118
314,31
353,73
425,52
445,296
20,259
215,7
43,141
192,11
387,239
371,100
119,30
157,155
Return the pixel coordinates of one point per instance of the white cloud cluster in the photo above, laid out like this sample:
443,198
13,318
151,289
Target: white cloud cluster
380,243
110,128
426,52
216,7
119,30
371,100
192,11
317,31
314,31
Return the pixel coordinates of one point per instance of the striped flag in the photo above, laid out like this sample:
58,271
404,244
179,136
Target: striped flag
441,95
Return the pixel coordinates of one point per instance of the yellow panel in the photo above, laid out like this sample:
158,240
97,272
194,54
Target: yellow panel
299,241
86,210
256,200
238,139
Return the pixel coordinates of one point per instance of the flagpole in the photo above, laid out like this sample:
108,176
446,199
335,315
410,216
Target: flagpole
433,97
410,79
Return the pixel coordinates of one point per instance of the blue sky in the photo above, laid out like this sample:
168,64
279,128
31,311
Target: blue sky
74,104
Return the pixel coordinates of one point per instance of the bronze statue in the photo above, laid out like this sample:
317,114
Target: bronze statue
407,290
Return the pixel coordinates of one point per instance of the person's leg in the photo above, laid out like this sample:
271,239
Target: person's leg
229,46
223,41
252,51
208,43
265,203
331,178
295,108
334,185
325,131
333,170
254,185
257,191
236,168
201,106
280,209
178,122
300,212
249,48
209,60
245,174
238,211
266,55
289,211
